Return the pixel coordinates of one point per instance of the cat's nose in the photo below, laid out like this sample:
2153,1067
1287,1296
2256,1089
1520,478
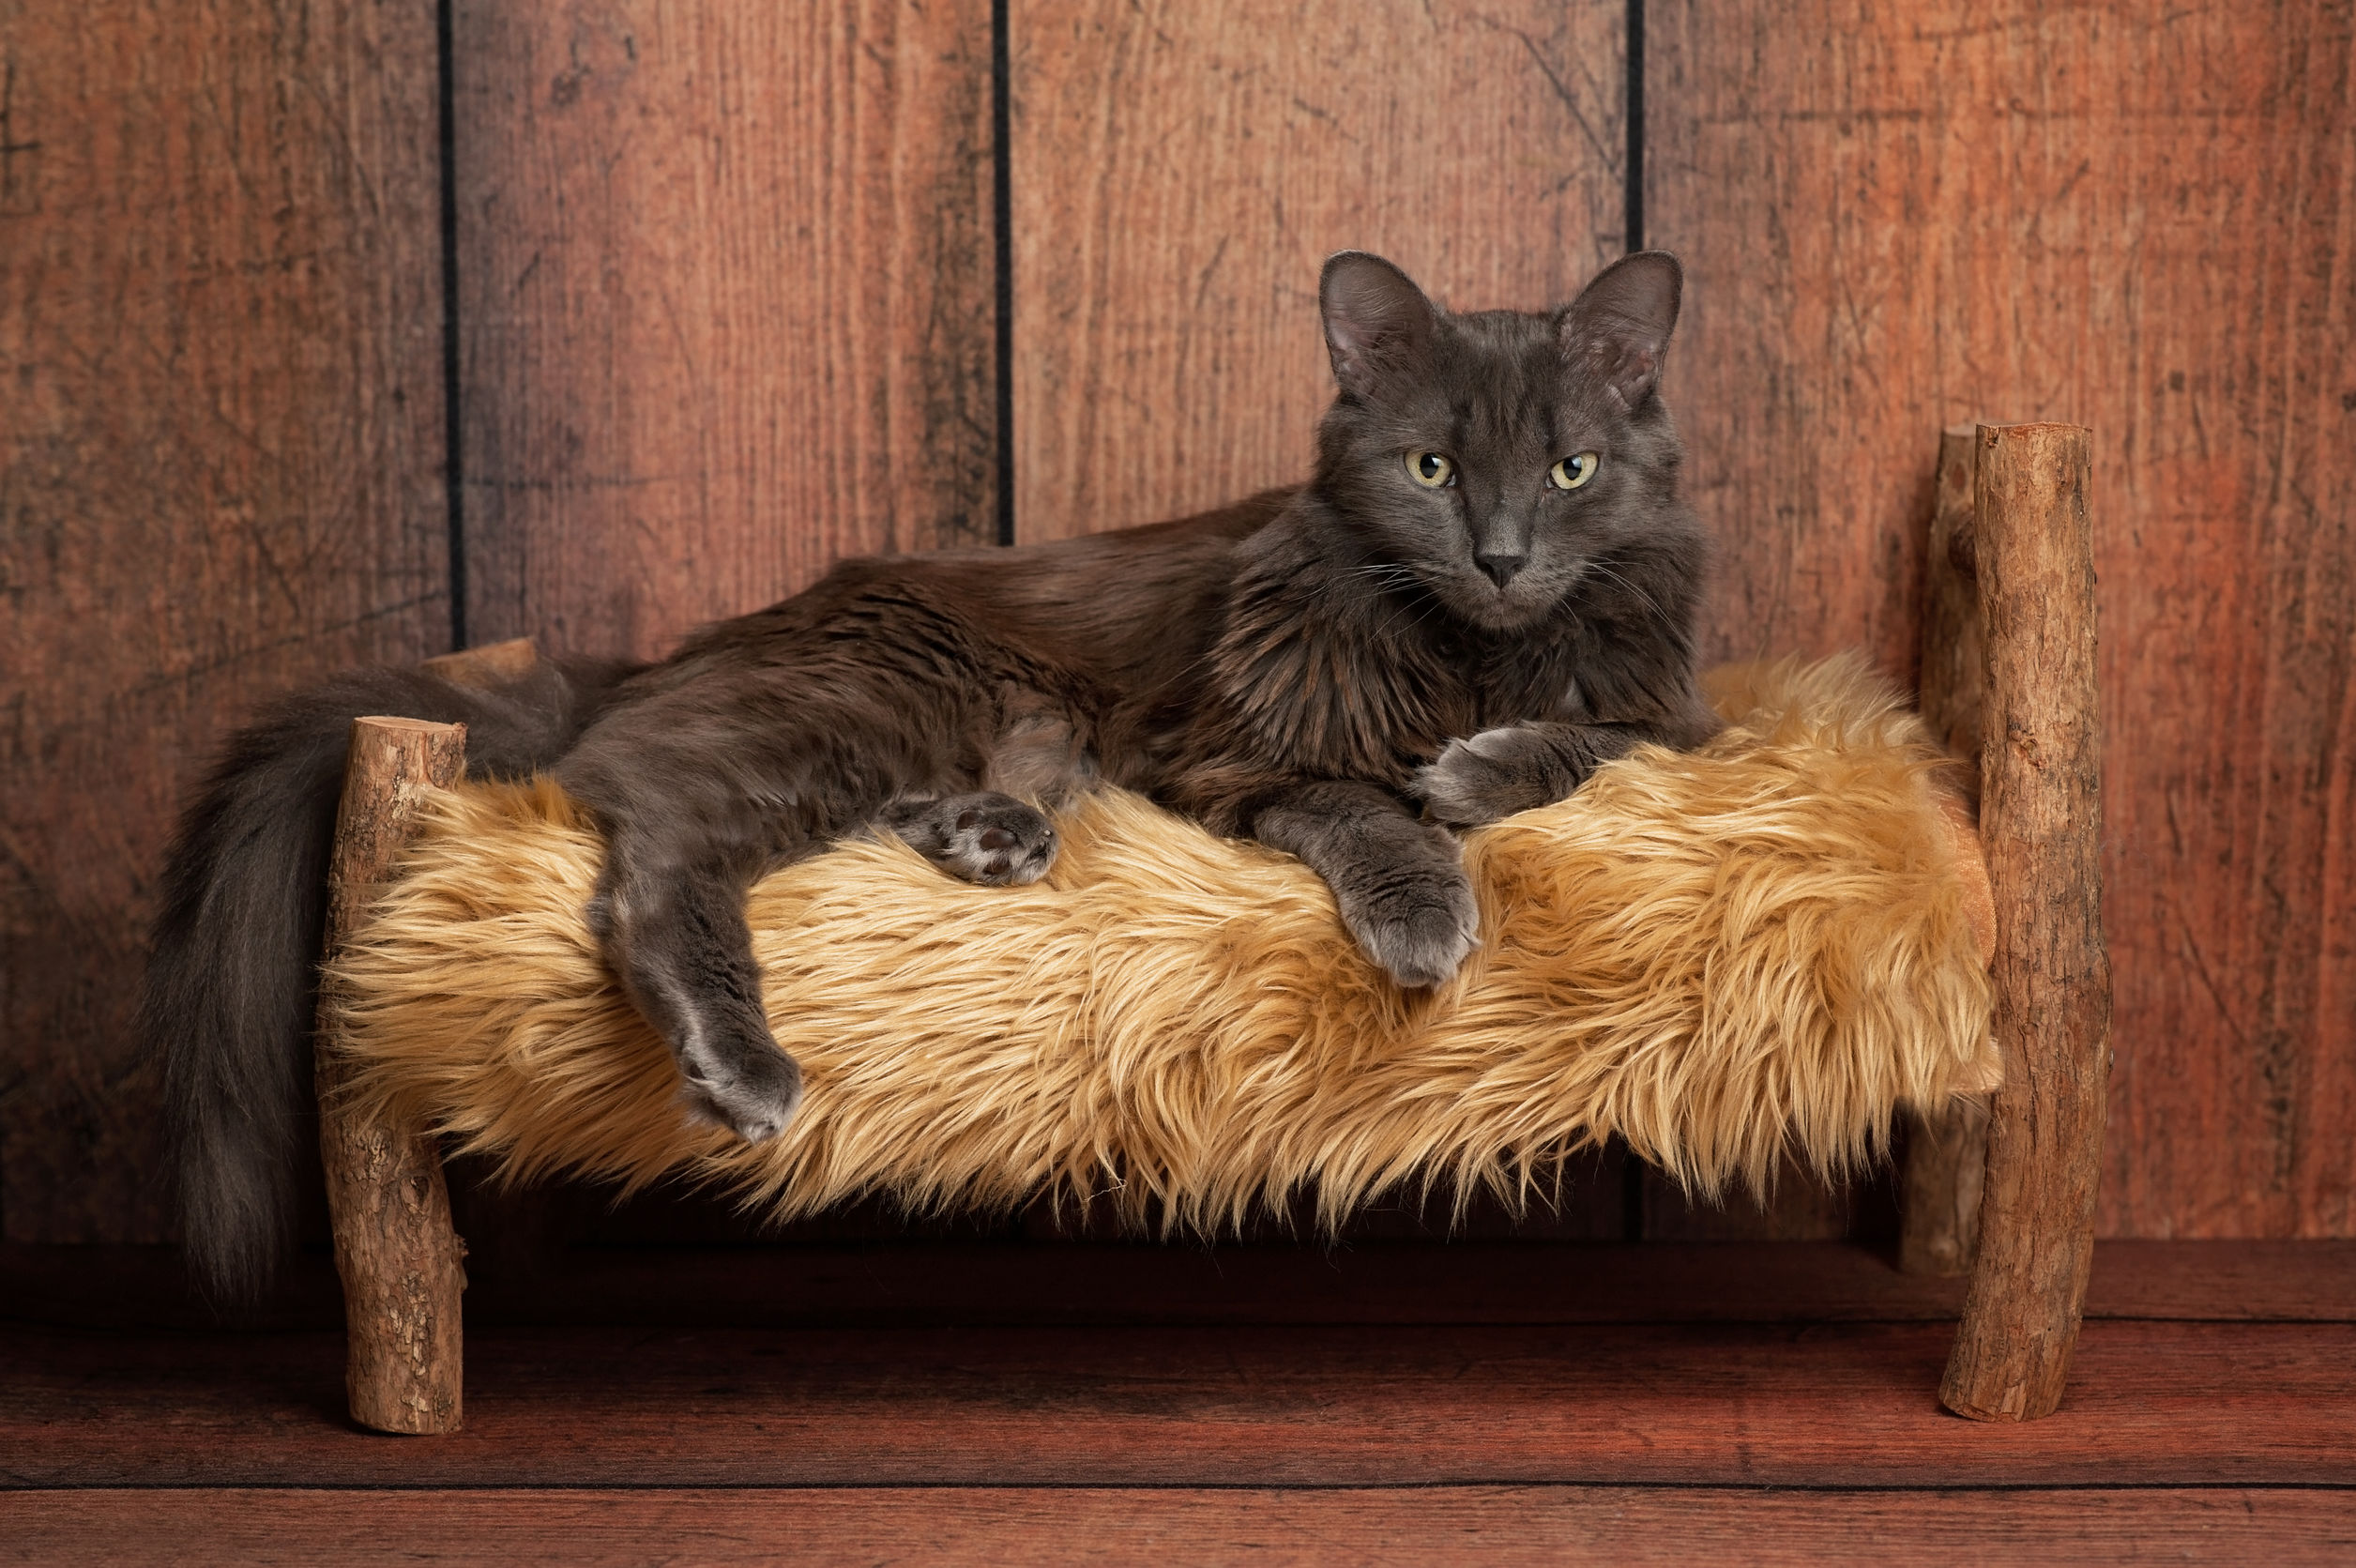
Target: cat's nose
1499,568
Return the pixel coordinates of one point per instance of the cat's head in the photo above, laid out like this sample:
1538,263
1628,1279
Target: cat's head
1497,457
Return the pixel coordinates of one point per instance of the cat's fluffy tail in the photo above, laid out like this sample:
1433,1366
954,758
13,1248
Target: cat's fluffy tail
231,978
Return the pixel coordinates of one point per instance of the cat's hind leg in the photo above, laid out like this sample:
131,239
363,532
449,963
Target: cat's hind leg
676,937
744,767
983,837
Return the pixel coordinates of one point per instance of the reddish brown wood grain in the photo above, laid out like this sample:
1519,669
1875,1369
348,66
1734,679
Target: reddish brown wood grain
1499,1524
2135,219
1800,1404
221,454
1181,171
725,302
866,1283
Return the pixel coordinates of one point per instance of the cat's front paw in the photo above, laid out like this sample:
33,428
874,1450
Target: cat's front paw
1493,775
1418,929
985,837
747,1085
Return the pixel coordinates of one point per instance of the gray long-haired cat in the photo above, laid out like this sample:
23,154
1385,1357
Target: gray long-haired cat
1487,588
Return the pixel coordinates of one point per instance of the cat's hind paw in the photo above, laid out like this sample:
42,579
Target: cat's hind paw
753,1095
986,837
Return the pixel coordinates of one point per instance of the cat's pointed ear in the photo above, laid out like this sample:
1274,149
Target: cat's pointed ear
1374,318
1619,328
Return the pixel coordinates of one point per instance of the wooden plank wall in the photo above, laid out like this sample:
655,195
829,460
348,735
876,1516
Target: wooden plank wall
728,303
728,299
1901,217
221,454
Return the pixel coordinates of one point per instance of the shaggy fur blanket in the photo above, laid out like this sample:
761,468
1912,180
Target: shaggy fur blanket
1763,947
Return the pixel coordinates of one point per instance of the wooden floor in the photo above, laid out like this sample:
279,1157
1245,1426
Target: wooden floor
1049,1404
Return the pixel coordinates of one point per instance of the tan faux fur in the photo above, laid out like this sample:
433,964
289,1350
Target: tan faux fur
1759,946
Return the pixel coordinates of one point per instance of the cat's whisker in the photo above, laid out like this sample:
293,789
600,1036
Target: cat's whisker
1426,604
1430,607
1391,575
1649,603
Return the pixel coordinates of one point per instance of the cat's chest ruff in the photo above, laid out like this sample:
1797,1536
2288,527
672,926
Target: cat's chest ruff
1323,706
1532,681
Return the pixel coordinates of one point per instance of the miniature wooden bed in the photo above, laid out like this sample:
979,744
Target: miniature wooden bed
2004,1189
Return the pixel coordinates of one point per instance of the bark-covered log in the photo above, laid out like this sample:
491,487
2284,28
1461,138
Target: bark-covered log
1947,1150
2041,827
1953,684
1946,1162
490,665
394,1247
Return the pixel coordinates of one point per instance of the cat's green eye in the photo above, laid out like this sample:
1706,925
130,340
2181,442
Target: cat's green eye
1572,472
1431,470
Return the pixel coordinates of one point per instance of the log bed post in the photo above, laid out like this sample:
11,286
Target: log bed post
1947,1149
2041,829
394,1248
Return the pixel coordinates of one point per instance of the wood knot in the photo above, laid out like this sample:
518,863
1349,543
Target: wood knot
1963,549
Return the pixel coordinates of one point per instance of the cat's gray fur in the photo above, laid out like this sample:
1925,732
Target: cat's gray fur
1346,672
